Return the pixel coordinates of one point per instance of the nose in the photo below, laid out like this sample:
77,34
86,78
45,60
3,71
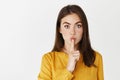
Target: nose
72,31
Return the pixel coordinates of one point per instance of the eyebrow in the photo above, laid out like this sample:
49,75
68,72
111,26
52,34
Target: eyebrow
66,23
78,22
75,23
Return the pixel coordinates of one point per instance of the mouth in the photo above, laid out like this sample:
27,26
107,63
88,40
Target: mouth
72,39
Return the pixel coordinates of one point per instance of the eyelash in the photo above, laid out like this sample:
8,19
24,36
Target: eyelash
78,26
66,26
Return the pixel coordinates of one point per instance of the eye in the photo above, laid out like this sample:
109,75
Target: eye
66,26
79,25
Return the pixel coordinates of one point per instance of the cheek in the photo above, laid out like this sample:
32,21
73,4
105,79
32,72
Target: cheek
64,33
80,34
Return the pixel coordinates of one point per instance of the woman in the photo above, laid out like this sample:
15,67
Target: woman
72,57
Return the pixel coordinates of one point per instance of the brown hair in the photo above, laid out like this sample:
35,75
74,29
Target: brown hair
84,44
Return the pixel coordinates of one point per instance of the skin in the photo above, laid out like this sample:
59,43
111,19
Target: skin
72,31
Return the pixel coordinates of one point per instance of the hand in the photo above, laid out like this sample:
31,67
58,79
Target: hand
73,57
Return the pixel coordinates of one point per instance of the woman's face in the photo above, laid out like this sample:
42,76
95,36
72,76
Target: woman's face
71,28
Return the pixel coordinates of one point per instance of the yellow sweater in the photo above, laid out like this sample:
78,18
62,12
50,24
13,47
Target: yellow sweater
53,67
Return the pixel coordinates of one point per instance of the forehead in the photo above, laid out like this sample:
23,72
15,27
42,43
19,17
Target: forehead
71,18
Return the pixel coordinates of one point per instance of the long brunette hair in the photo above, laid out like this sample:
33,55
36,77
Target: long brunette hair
84,45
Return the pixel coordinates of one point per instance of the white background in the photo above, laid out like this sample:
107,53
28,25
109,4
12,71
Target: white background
27,30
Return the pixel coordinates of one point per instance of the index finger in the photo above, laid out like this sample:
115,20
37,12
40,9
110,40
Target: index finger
72,44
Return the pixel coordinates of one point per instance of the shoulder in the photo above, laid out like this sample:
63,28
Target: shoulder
98,57
98,54
48,55
51,54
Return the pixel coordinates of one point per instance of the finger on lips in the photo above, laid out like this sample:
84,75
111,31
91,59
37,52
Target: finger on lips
72,50
72,45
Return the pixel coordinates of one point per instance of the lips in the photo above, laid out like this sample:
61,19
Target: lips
73,38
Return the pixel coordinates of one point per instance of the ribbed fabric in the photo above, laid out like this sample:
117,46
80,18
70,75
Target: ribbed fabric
53,67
